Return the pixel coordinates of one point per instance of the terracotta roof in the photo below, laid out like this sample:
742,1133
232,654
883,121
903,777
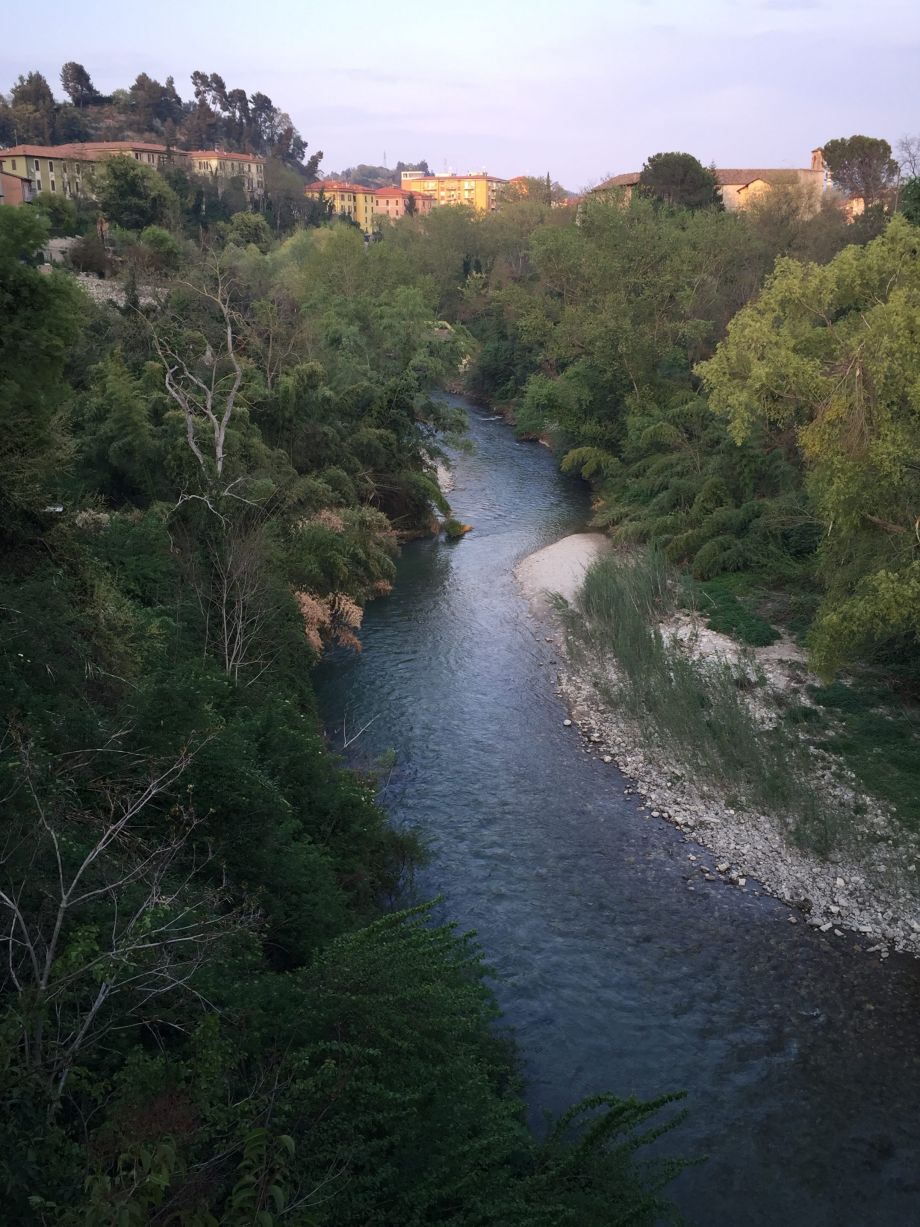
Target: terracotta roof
224,155
628,180
38,151
401,193
725,178
336,185
80,149
731,178
106,146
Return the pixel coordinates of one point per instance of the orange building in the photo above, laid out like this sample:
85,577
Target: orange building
397,202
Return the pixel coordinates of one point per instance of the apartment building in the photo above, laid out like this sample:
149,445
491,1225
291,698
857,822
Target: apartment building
351,200
394,202
477,189
224,165
68,169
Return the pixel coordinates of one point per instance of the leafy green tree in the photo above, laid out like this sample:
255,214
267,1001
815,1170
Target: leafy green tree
828,353
679,180
862,167
32,104
133,195
249,228
61,212
77,84
910,200
40,323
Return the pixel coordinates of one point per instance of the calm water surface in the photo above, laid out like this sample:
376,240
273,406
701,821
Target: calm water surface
799,1053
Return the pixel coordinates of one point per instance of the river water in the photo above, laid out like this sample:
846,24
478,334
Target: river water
798,1050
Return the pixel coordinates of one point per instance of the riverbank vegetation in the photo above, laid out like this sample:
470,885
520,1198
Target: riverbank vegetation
739,388
211,1011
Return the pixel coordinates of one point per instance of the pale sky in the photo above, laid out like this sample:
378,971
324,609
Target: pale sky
580,88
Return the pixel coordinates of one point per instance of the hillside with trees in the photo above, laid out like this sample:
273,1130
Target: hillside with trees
215,116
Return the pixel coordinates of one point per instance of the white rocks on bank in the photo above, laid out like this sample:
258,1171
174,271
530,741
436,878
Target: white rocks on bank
869,898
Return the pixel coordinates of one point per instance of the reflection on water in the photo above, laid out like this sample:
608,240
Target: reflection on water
799,1053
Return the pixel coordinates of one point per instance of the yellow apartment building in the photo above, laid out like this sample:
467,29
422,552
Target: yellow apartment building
476,189
351,200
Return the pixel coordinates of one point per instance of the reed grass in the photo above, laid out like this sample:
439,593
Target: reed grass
697,709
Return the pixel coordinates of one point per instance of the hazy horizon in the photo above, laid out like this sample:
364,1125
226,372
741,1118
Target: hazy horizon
581,92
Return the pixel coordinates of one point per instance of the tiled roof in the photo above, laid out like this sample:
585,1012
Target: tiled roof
336,185
725,178
401,193
732,178
223,154
627,180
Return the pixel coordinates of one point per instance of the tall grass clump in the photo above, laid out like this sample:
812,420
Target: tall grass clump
697,709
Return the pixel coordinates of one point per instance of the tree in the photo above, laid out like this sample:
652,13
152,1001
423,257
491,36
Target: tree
246,228
862,167
411,205
34,91
909,156
910,200
40,322
60,211
204,384
77,85
830,355
33,108
680,180
133,195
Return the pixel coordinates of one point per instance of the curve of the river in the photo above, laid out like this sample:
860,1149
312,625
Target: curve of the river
799,1052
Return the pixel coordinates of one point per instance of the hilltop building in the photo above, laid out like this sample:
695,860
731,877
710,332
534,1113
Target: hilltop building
367,205
738,187
68,169
477,189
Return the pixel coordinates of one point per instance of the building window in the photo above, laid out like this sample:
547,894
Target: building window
53,188
37,167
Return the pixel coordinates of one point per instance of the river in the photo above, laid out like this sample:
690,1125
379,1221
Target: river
799,1052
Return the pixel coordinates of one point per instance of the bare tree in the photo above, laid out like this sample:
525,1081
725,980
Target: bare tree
908,150
100,922
204,384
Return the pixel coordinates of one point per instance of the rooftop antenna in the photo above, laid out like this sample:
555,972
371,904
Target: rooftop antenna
385,158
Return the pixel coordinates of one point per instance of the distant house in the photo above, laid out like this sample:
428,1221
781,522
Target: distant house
737,187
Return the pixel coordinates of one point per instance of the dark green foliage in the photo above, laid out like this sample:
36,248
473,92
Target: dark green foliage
878,738
679,180
910,200
208,1012
729,606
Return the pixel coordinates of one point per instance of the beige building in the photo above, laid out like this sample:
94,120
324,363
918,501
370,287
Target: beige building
739,187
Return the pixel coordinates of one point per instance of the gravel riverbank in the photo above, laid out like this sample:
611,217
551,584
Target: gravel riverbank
873,894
